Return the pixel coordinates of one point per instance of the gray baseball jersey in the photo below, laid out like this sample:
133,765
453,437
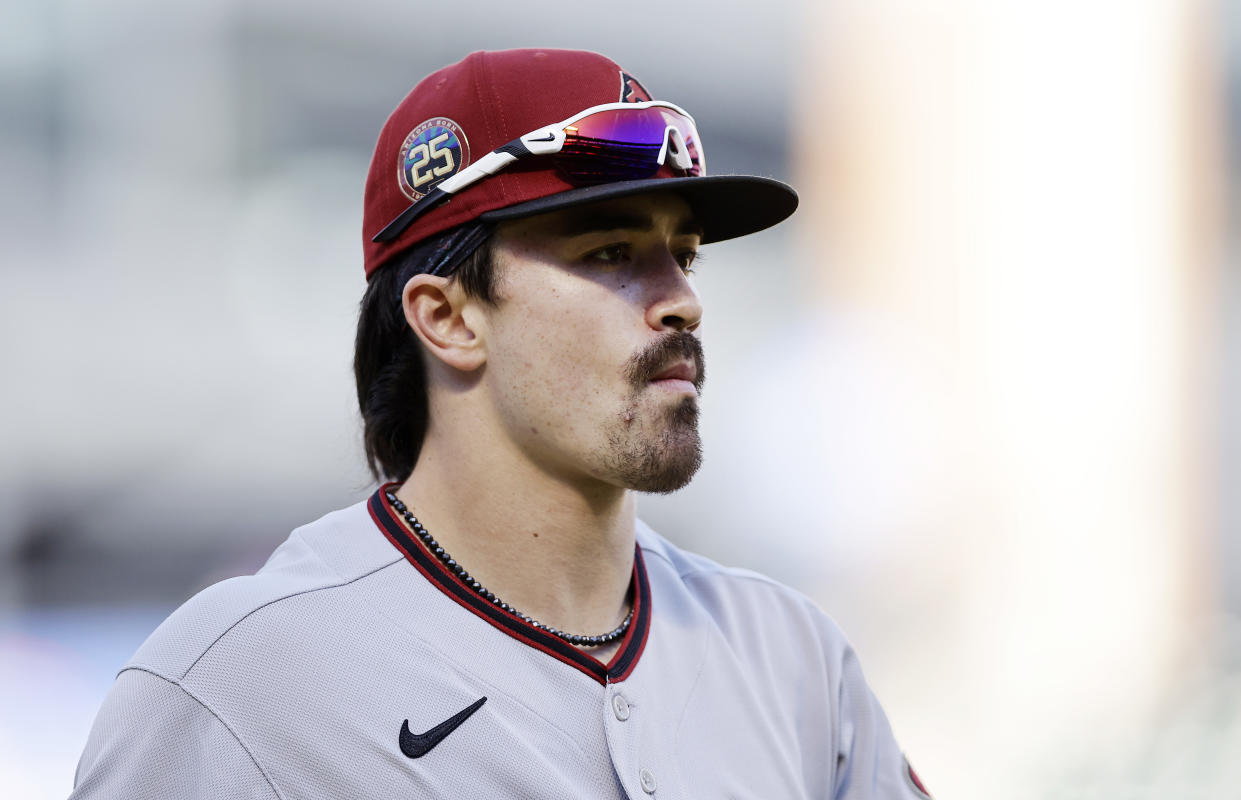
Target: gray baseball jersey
355,665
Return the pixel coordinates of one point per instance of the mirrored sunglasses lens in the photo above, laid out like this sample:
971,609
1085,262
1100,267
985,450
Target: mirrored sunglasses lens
620,144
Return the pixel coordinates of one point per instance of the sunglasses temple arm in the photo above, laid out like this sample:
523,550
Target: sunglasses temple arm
489,164
406,218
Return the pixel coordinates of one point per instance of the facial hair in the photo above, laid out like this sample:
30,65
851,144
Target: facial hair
660,452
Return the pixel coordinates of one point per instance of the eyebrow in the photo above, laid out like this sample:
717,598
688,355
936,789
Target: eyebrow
587,221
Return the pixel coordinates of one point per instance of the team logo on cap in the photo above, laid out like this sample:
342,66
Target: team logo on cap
432,152
632,91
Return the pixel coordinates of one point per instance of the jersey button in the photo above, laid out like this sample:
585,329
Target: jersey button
620,707
648,781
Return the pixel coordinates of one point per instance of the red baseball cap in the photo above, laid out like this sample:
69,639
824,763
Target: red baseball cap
468,109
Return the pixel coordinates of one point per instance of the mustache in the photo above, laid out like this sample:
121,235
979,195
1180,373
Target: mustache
677,346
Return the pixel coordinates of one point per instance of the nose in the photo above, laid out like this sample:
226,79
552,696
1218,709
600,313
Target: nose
674,305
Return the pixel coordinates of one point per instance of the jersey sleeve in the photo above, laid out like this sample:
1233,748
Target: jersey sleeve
870,763
152,740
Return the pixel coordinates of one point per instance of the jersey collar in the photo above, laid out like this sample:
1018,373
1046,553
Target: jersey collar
616,670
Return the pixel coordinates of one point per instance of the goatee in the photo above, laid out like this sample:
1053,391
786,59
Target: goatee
662,455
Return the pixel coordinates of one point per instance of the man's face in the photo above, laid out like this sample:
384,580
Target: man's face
592,359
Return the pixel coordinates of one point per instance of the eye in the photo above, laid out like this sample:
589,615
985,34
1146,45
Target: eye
689,261
612,254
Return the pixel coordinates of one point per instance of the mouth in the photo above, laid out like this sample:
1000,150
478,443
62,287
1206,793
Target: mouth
673,364
677,377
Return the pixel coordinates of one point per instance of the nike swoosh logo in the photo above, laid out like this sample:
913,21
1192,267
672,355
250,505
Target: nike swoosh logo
551,137
417,745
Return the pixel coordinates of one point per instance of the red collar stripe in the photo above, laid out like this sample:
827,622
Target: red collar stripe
622,664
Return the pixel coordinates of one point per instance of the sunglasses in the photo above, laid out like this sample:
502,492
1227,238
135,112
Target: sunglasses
605,143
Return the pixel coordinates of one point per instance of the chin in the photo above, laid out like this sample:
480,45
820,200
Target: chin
664,460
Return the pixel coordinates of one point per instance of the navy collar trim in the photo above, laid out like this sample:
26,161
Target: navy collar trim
393,526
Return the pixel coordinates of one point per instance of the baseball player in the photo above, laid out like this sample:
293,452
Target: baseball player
494,621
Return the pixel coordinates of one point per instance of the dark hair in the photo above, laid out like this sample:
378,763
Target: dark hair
388,365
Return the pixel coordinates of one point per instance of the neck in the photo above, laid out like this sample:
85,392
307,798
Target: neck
561,552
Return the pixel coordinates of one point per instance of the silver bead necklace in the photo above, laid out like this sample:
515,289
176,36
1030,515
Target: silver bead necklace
433,547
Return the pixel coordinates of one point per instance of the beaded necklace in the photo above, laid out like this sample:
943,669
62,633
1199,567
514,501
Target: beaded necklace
576,639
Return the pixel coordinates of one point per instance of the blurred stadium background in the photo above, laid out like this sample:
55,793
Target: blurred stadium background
980,399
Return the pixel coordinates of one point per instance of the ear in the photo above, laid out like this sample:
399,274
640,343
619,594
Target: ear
445,319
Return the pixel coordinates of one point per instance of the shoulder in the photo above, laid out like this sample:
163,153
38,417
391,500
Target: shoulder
148,740
790,655
331,552
708,579
738,600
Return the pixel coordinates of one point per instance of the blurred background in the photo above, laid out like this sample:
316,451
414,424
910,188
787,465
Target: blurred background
979,398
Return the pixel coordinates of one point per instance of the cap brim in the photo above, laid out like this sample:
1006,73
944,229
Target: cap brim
726,206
